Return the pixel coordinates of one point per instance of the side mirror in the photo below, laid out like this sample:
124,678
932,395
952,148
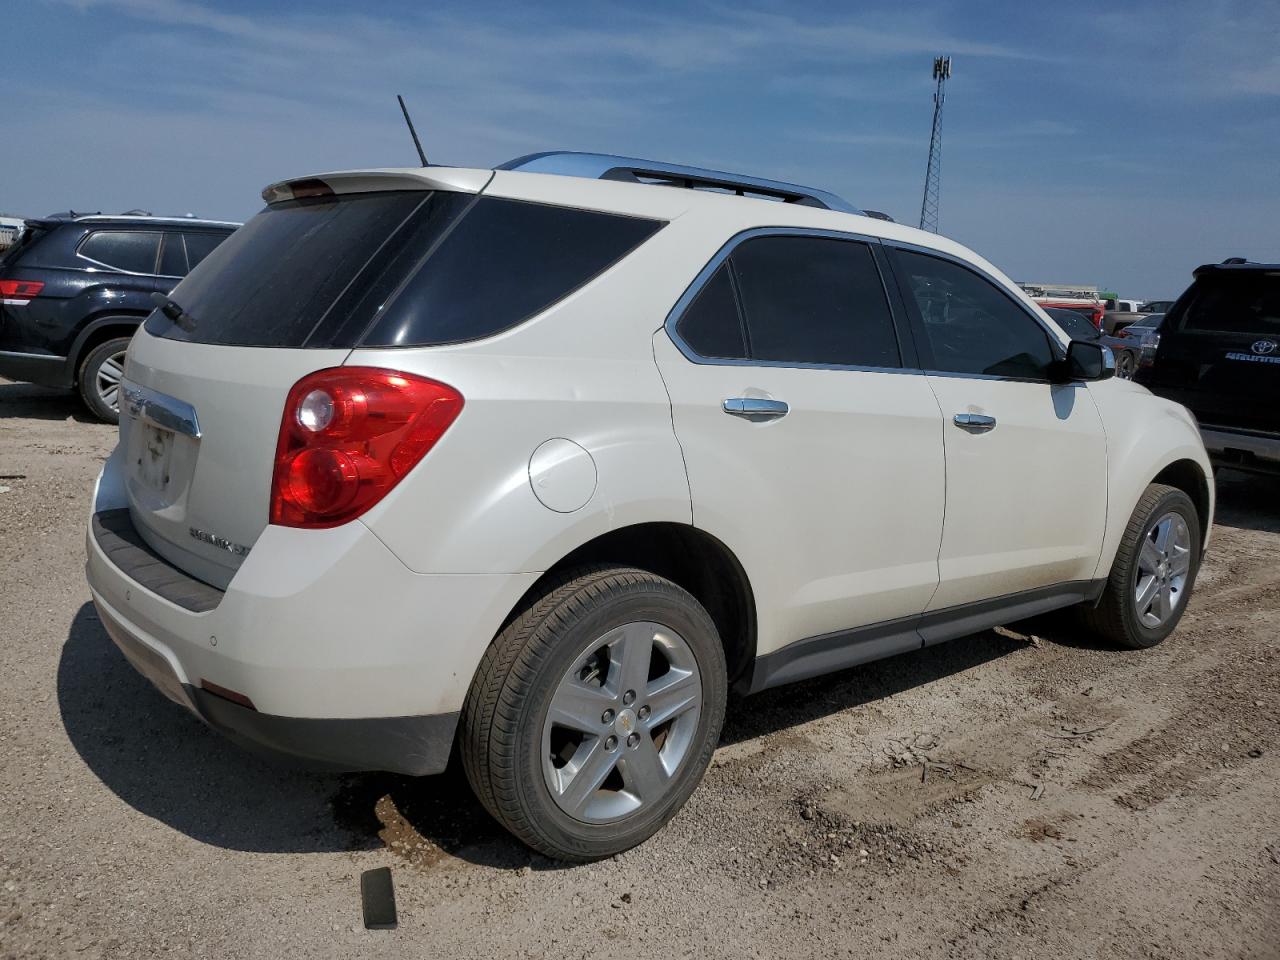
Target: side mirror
1088,360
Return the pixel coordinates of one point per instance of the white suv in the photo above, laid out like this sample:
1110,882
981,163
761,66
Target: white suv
541,461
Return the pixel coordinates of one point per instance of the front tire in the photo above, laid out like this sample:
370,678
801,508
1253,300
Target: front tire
1154,571
595,712
99,379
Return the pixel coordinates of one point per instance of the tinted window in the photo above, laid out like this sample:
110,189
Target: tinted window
1075,325
971,325
131,251
711,325
200,245
272,281
173,258
1247,303
505,261
814,300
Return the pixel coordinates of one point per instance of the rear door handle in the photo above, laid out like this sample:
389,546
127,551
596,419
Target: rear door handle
977,422
755,408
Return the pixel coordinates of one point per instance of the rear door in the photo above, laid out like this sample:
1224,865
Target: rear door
813,448
1219,352
1026,458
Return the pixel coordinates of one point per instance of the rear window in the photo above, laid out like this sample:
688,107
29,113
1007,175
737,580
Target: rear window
394,269
132,251
1240,303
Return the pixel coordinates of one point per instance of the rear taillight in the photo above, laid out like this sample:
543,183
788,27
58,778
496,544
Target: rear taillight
1147,350
21,290
347,437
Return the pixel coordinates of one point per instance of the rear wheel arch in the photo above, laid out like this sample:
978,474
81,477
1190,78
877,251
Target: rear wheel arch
100,328
690,558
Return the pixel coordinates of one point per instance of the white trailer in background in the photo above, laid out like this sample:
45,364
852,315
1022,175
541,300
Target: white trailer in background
10,228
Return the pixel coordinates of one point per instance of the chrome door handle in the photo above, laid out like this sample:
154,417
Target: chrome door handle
755,408
977,422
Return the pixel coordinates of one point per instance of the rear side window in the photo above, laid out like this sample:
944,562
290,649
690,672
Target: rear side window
394,269
1238,303
505,261
200,245
131,251
972,326
814,300
173,258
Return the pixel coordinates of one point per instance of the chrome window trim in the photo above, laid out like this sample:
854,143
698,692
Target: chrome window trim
695,287
106,266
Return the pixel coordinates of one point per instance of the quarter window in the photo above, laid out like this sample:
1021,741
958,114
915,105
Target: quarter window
971,325
132,251
711,325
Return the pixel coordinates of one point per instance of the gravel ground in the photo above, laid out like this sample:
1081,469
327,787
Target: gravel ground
1018,793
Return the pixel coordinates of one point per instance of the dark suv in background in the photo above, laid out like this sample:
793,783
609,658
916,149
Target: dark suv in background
74,288
1218,353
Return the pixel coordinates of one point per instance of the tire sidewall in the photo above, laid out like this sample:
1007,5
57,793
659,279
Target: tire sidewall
1173,502
665,604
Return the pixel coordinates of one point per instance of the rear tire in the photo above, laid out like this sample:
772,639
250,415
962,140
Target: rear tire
1154,571
98,381
1125,365
626,648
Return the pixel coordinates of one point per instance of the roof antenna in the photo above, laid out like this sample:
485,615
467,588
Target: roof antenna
412,132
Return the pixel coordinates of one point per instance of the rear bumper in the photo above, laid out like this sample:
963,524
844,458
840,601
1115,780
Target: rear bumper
1243,449
408,745
38,368
349,659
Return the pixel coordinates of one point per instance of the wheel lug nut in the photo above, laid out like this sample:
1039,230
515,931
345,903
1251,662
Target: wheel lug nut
610,742
643,712
607,717
629,697
633,740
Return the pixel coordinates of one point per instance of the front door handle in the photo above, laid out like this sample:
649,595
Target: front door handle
755,408
977,422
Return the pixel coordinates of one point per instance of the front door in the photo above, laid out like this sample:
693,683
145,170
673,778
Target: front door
1026,458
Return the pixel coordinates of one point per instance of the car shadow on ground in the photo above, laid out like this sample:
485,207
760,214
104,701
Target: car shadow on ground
1247,501
166,764
29,402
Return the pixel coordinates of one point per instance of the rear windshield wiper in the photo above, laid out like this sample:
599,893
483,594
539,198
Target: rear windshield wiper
174,312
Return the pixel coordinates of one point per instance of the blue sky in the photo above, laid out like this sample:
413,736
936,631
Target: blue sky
1109,143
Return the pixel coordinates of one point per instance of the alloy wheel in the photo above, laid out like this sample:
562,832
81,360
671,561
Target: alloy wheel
1164,561
107,381
621,722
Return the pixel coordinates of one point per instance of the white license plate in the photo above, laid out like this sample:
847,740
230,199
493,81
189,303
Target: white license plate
153,459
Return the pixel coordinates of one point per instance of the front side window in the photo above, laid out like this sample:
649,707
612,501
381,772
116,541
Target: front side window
131,251
971,325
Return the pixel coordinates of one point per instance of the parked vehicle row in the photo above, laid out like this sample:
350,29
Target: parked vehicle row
73,289
551,456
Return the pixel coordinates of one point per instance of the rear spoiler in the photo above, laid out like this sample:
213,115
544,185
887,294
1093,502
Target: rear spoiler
453,179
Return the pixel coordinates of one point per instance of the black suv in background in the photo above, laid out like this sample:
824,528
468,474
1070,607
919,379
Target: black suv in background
1219,355
74,288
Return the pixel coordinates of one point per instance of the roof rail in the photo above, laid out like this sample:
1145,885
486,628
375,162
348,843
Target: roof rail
600,166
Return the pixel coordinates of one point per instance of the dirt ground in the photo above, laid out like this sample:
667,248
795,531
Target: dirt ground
1019,793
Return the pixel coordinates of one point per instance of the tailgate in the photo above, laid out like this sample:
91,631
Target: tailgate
199,425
